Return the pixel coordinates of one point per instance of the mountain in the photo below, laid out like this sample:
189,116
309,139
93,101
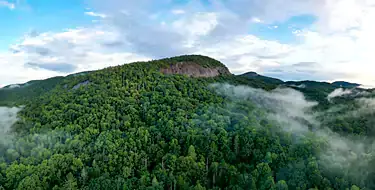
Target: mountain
346,84
183,123
195,66
192,65
313,90
309,83
254,75
19,94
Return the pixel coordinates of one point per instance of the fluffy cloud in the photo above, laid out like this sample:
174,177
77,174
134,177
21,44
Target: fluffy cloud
38,56
341,43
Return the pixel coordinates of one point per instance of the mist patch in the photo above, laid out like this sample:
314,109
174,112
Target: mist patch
338,155
8,116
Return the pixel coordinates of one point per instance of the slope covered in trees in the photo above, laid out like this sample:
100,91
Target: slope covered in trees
254,75
133,127
19,94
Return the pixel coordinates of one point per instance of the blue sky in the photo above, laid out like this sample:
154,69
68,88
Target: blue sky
56,15
282,31
41,16
273,37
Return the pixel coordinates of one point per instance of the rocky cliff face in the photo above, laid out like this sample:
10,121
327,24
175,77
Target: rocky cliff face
194,70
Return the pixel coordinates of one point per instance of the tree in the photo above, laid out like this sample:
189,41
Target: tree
191,152
263,174
281,185
354,187
30,183
199,187
71,182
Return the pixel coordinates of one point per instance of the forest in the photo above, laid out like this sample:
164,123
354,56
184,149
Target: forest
133,127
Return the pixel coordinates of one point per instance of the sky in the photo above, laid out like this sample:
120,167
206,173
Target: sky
324,40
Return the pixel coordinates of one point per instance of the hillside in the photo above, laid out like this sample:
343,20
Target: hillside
346,84
162,125
270,80
19,94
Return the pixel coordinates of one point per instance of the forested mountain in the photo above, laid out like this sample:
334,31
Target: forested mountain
346,84
20,93
161,125
254,75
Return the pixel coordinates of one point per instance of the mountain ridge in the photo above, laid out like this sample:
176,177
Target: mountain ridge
255,75
196,65
190,65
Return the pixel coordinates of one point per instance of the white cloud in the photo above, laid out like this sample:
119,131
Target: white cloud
195,26
256,20
340,15
342,39
178,11
51,54
247,52
7,4
96,14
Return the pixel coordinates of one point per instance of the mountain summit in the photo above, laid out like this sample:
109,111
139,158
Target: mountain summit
254,75
346,84
195,66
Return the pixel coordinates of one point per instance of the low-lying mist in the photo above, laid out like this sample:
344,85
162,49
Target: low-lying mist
339,92
37,145
8,116
285,105
348,156
353,93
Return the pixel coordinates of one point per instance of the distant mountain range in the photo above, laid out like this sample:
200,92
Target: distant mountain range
300,84
346,84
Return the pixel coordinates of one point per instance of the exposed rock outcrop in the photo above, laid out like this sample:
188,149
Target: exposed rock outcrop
195,70
84,83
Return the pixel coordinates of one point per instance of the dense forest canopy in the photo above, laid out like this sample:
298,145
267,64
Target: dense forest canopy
133,127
